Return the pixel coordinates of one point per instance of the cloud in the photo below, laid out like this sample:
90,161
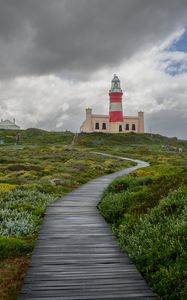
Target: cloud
75,38
161,96
52,103
58,57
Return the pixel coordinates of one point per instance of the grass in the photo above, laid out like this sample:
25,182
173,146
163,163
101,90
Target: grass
12,247
139,207
12,272
50,168
157,245
34,174
148,213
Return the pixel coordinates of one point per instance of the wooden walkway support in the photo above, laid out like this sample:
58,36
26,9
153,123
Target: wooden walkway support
76,255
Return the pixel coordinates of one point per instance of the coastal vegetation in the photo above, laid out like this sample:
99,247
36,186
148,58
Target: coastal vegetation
146,209
33,174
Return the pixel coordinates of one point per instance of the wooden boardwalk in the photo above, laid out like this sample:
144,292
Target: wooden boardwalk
76,255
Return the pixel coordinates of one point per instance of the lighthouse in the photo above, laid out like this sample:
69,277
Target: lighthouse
115,121
115,108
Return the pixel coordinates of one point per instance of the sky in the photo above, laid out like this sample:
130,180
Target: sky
58,58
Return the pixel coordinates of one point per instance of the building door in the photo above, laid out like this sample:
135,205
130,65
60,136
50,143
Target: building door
120,128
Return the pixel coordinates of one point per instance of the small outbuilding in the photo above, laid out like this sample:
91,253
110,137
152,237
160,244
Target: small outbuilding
7,124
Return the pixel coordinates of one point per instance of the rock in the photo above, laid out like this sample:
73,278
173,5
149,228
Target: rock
57,181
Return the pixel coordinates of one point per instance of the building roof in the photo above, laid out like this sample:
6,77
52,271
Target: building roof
115,78
115,85
7,124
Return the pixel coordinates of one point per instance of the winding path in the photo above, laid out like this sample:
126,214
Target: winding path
76,255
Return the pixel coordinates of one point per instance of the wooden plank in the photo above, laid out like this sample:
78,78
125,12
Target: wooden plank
76,255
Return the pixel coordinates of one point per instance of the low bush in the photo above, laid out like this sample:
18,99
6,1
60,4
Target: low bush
41,167
6,187
149,217
22,167
137,194
157,244
128,181
11,247
17,223
114,205
27,198
21,211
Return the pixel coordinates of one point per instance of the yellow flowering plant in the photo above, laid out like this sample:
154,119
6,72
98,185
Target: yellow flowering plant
5,187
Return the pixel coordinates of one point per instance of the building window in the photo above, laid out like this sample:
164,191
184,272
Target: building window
104,126
97,125
133,127
127,127
120,128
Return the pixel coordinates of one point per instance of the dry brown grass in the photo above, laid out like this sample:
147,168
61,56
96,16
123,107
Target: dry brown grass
12,272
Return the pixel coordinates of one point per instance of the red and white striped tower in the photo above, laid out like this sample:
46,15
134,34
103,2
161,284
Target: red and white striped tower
116,110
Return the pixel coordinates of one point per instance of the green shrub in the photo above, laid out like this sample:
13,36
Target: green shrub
148,213
128,181
120,184
25,198
157,244
21,211
17,223
22,167
11,247
35,166
170,282
113,206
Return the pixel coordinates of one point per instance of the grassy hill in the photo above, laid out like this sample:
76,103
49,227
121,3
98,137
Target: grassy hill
39,136
147,209
36,136
129,138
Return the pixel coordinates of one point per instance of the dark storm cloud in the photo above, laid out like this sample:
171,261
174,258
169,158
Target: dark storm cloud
169,122
44,36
